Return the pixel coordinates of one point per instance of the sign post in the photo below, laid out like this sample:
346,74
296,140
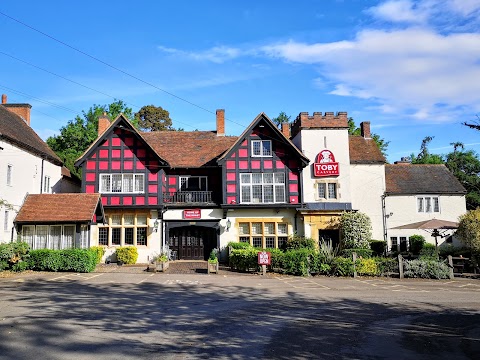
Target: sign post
264,259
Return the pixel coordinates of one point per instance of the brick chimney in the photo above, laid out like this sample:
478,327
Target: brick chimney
220,122
365,129
286,129
103,123
22,110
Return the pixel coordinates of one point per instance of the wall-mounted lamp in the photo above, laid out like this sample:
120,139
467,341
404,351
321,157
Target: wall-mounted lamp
155,225
389,215
227,225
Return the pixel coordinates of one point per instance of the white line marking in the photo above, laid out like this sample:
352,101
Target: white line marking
145,279
59,277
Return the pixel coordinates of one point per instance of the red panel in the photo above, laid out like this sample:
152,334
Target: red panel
139,200
231,200
292,176
152,176
91,165
255,164
139,165
245,143
267,164
231,176
233,155
116,141
293,199
293,188
127,200
242,153
94,156
115,153
231,188
104,200
90,189
103,165
152,189
128,165
230,164
105,143
172,180
243,164
152,200
90,176
103,154
127,153
114,200
115,165
128,141
279,164
141,153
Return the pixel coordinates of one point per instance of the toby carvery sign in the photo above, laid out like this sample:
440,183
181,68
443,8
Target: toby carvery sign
325,164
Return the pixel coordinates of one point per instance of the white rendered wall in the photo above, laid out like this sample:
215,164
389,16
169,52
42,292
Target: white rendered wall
367,187
404,211
26,178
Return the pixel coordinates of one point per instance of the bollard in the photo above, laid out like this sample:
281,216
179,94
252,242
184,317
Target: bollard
354,266
450,265
400,265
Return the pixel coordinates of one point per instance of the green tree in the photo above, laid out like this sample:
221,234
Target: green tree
79,133
381,142
355,230
474,125
425,157
469,229
153,118
281,118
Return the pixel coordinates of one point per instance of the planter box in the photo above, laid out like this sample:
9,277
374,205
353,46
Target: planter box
160,266
213,268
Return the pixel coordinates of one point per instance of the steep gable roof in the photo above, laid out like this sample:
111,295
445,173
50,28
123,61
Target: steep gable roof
364,151
412,179
189,149
74,207
262,117
120,121
16,131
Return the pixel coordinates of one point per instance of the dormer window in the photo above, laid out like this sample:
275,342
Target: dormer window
261,148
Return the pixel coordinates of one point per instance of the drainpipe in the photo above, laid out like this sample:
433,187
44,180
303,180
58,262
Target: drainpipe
41,177
384,218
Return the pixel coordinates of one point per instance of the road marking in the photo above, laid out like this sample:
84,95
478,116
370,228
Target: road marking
59,277
145,279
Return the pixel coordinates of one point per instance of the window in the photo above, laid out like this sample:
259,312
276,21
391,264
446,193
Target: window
403,243
263,234
55,239
5,221
262,188
84,236
261,148
193,183
28,234
393,240
46,184
123,230
122,183
428,204
327,190
9,174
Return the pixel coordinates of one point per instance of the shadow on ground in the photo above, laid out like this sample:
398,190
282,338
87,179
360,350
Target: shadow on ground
74,319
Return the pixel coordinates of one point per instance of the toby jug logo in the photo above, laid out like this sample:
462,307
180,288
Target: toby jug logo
325,164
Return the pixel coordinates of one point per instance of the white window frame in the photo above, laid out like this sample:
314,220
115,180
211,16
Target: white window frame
121,184
5,221
261,152
186,179
46,184
326,190
278,183
9,174
428,204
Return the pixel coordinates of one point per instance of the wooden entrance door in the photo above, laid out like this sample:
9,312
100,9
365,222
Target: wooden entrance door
192,242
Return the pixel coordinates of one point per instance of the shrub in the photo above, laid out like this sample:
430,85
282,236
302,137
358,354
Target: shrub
239,245
213,258
297,261
426,269
469,229
355,230
386,266
244,259
127,254
416,243
20,266
277,258
78,260
12,253
378,247
99,251
364,253
326,252
46,260
342,266
366,267
299,242
428,251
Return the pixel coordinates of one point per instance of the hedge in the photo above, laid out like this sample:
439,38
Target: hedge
426,269
77,260
13,256
127,254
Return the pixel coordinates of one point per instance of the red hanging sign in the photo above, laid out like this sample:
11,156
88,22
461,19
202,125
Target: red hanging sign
325,164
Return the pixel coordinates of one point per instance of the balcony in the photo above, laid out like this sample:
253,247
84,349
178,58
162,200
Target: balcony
188,197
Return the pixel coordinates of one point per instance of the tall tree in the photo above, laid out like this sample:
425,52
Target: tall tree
79,133
473,125
153,118
425,157
381,142
281,118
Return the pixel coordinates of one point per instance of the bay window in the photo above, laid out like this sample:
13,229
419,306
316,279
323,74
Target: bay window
122,183
262,188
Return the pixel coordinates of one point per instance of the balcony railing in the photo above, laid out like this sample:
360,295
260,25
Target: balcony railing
188,197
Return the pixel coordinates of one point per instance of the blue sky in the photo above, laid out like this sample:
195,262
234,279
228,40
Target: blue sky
412,68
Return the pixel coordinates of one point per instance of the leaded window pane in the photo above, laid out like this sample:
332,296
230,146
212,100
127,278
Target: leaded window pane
127,183
279,193
257,228
279,178
256,178
142,236
436,204
270,242
256,149
245,178
245,239
269,228
268,178
257,241
246,195
267,147
116,233
428,204
128,236
282,229
420,204
257,193
116,219
282,240
105,183
244,228
332,191
321,190
103,236
141,219
139,183
116,182
129,219
268,194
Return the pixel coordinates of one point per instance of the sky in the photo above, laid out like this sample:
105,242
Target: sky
411,68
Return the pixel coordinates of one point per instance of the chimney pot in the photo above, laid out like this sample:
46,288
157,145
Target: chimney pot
220,122
4,99
365,129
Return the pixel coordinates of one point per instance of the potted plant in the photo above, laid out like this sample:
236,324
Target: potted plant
213,262
160,263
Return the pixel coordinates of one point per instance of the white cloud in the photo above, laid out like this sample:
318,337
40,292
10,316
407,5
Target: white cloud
217,54
465,7
399,11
